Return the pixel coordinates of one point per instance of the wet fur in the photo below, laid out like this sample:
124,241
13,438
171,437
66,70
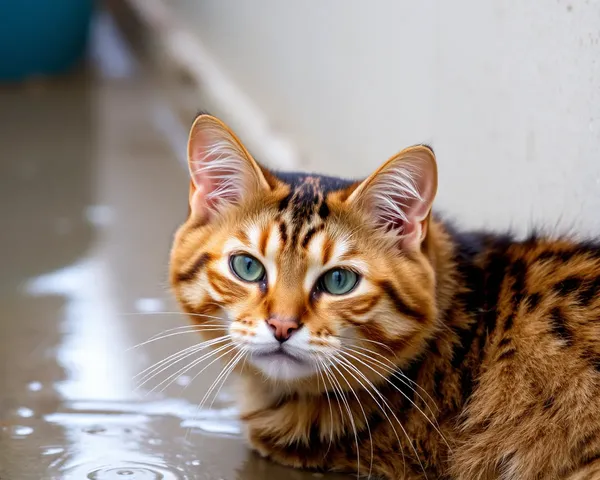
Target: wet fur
491,365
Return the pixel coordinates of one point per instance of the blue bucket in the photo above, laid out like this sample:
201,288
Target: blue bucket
42,37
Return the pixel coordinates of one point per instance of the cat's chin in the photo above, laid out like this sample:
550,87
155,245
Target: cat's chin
283,367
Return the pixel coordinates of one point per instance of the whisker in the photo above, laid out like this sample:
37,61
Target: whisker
320,363
334,381
403,394
396,370
193,326
171,378
156,338
382,345
229,368
396,373
233,347
364,415
185,314
385,403
182,353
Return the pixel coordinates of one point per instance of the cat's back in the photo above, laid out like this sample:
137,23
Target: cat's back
538,391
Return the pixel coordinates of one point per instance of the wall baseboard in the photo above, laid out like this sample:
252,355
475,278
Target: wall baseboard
155,31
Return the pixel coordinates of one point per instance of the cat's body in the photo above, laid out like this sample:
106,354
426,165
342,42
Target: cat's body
454,355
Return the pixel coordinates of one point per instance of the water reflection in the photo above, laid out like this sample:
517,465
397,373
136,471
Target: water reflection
86,240
111,438
94,341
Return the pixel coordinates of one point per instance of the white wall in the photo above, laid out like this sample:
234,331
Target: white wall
508,93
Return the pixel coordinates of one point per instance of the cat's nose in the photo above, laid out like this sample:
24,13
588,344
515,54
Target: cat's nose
282,328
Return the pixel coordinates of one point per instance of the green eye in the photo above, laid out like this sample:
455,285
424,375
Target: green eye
247,268
339,281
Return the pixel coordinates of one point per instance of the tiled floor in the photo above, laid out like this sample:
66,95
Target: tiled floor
91,191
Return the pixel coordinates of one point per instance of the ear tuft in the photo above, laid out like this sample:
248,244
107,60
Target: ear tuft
221,169
399,195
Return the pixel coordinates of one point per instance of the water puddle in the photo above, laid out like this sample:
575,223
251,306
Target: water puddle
108,440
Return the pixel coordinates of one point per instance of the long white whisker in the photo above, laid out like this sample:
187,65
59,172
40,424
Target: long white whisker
185,314
320,363
171,378
361,409
175,357
396,373
161,337
385,403
382,345
212,361
228,369
326,372
350,417
403,394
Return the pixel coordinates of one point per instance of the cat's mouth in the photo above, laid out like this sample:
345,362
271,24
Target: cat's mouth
279,354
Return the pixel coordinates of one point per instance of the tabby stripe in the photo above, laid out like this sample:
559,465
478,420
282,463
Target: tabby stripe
593,358
242,236
198,265
507,354
366,305
285,201
592,291
568,285
225,287
323,210
533,300
400,306
559,327
283,233
549,402
495,269
263,240
327,250
518,272
295,232
466,337
589,459
307,238
561,255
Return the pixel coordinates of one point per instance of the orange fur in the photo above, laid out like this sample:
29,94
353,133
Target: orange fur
463,356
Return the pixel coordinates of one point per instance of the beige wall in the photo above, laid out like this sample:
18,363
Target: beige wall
508,93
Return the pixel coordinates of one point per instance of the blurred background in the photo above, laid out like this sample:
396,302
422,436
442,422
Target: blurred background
95,102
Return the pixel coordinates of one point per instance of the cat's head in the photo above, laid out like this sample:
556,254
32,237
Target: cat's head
311,272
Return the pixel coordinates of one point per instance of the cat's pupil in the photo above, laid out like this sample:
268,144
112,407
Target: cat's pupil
249,264
338,278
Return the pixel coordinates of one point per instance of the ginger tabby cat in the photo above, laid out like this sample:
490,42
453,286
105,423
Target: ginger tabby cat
370,336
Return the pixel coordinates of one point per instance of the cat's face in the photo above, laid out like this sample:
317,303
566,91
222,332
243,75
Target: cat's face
313,274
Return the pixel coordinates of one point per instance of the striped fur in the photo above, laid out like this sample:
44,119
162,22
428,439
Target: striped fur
473,356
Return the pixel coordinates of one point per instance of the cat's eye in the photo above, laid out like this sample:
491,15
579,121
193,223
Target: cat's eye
247,268
339,281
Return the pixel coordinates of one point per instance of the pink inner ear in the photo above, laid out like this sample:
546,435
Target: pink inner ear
218,167
400,194
208,176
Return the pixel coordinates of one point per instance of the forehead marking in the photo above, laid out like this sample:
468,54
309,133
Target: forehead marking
311,231
264,238
283,232
254,236
274,241
315,247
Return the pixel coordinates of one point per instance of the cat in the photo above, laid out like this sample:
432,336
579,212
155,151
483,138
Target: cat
371,337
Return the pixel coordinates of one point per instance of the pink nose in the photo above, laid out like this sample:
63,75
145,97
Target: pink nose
282,327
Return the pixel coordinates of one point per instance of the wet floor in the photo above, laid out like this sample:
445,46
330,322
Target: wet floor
91,191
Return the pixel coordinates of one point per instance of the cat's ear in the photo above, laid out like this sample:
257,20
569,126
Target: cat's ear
221,169
399,195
